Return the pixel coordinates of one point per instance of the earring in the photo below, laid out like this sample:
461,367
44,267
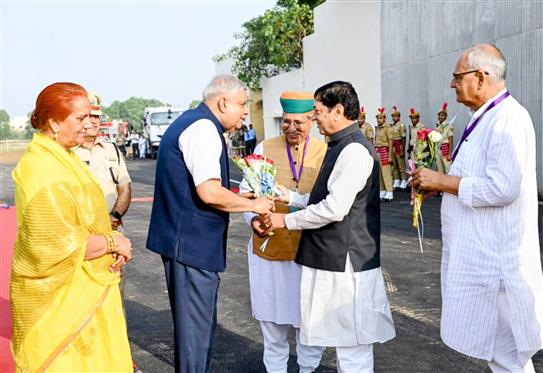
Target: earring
55,136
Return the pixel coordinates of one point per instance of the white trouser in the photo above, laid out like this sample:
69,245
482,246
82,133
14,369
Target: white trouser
276,349
505,357
355,359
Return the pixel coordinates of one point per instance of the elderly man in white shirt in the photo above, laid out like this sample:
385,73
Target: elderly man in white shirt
491,278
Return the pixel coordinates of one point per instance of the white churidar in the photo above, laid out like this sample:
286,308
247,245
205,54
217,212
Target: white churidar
505,354
276,349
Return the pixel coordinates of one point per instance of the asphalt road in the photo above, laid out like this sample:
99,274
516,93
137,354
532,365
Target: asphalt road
412,282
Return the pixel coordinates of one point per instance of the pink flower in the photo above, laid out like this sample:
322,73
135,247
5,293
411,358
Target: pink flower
422,134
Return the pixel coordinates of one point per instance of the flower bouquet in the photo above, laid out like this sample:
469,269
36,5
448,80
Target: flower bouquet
424,156
259,172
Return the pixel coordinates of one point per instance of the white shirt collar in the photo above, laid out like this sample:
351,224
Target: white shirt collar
479,111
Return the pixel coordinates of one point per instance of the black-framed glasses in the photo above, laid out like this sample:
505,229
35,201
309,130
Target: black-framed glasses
297,123
457,76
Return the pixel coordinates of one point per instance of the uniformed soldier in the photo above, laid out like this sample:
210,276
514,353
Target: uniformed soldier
398,153
443,156
365,127
107,164
415,126
383,146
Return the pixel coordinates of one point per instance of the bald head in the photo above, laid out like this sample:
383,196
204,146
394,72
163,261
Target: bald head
488,58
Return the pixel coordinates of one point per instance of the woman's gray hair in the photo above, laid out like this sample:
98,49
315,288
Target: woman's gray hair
488,58
223,84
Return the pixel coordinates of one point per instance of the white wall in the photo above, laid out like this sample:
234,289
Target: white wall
346,46
271,91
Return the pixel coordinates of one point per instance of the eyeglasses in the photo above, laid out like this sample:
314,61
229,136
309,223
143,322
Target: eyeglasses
457,76
297,123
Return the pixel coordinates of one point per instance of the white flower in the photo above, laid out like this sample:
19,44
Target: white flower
435,136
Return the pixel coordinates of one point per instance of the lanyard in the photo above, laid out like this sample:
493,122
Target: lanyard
298,175
470,129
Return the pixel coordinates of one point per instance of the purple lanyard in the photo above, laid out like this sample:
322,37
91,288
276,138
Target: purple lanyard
298,175
470,129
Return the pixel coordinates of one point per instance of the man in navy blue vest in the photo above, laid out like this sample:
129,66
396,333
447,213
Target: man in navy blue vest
190,217
342,293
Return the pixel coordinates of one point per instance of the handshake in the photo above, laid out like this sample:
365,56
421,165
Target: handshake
267,220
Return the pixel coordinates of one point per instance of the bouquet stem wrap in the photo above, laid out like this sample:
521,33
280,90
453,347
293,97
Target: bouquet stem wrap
425,151
417,204
417,217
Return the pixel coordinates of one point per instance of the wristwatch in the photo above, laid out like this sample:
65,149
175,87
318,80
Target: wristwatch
116,215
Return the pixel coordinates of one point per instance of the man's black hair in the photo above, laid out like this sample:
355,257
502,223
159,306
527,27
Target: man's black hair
339,92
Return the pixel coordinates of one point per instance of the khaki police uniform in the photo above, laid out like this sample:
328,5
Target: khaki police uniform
368,131
445,150
398,153
107,165
383,135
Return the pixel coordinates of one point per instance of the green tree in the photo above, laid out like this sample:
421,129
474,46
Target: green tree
29,131
311,3
272,43
194,104
5,129
131,110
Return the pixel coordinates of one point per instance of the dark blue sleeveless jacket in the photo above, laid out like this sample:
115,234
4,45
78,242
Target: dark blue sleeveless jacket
182,226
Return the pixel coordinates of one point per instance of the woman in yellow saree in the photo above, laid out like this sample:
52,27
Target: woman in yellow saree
67,310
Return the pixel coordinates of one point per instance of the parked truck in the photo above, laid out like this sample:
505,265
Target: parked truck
155,122
112,130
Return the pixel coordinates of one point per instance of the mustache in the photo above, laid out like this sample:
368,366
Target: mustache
293,133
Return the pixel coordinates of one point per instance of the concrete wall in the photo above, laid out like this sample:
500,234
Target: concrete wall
421,41
271,91
344,46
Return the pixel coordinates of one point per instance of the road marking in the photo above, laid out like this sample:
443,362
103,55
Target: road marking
405,311
389,285
414,314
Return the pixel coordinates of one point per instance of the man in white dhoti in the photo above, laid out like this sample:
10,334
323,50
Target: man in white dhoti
491,279
342,297
274,277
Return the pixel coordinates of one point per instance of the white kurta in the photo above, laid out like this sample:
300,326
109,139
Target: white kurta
490,235
341,308
274,284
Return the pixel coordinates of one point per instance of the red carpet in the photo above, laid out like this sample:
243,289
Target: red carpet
8,233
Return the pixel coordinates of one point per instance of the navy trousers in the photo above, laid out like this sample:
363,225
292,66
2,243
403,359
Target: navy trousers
193,300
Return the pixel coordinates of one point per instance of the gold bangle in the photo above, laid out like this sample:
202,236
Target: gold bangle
110,244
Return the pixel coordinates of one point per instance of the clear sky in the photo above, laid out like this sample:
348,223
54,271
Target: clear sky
120,49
